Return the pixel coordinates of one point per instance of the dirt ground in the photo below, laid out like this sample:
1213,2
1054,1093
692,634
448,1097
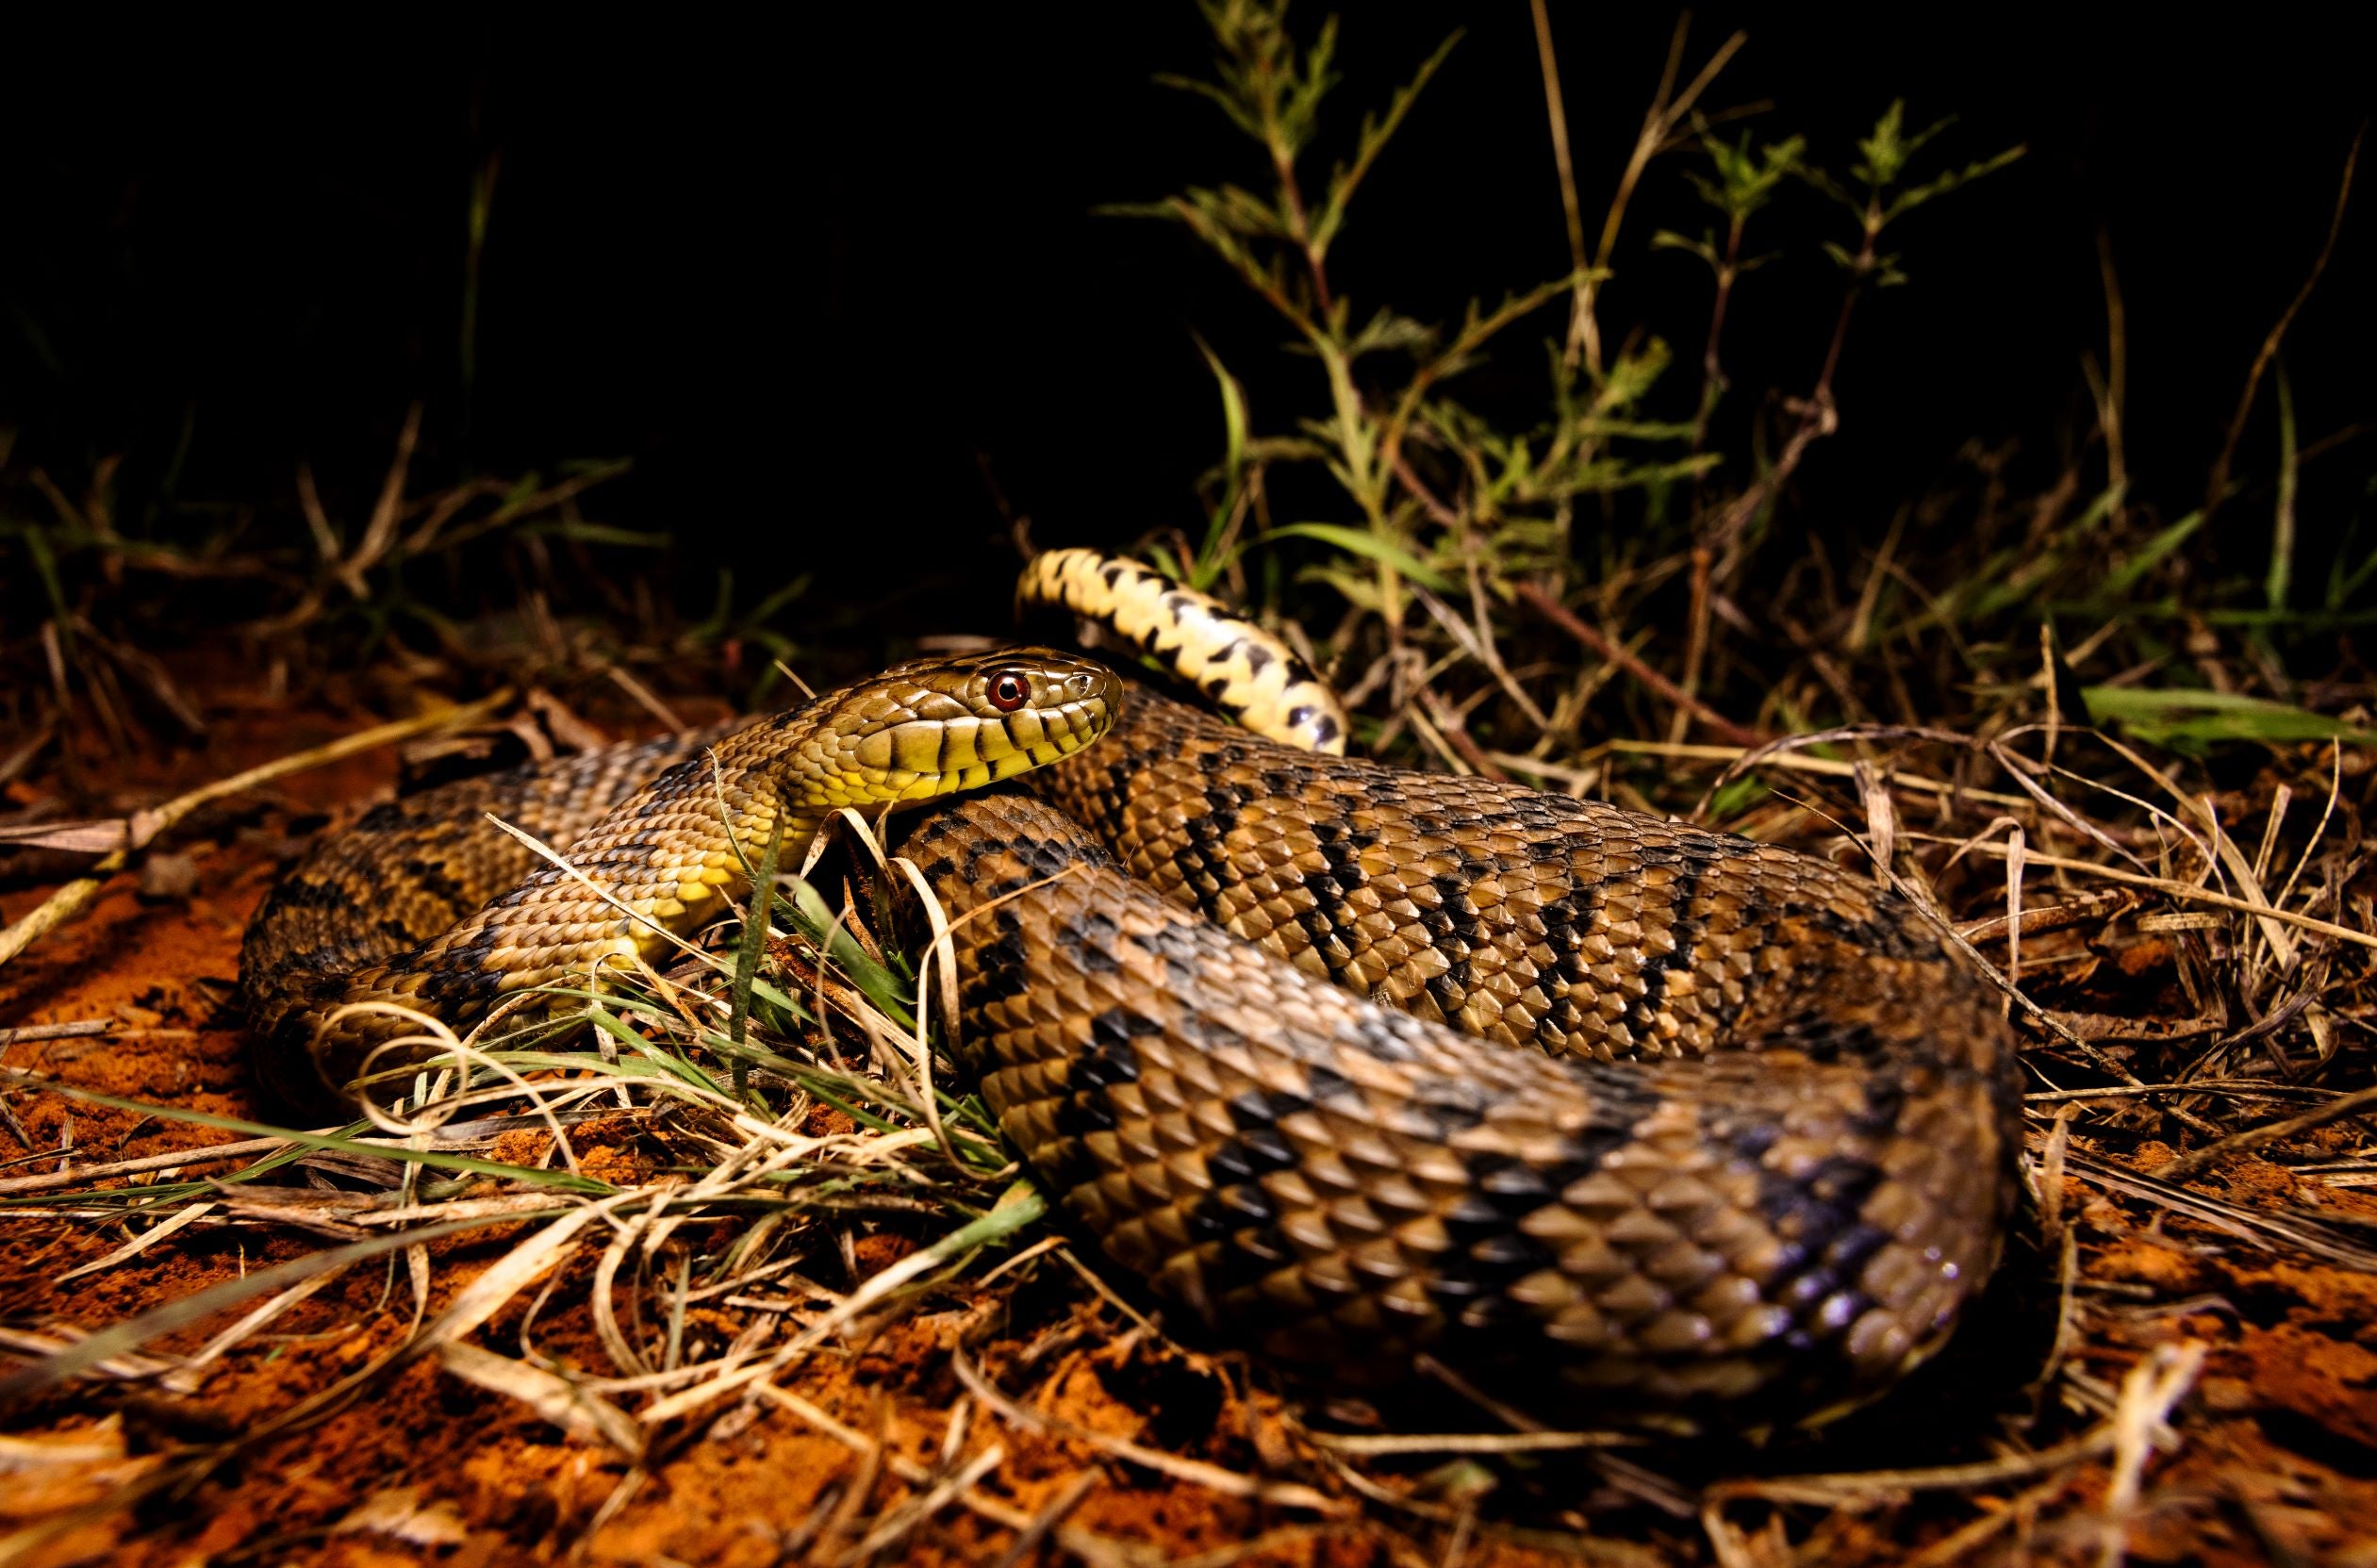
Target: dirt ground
878,1448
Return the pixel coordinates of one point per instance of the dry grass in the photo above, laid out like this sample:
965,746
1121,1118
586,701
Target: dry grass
2137,797
2188,965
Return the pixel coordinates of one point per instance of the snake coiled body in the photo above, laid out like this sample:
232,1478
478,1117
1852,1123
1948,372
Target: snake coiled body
1620,1119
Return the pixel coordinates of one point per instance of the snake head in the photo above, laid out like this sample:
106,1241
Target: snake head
933,726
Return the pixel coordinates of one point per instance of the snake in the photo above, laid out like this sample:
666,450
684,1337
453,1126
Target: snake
1386,1075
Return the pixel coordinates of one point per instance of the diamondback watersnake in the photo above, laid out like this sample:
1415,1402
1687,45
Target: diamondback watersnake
1249,1011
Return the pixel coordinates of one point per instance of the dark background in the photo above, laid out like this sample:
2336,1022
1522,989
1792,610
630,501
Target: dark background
828,284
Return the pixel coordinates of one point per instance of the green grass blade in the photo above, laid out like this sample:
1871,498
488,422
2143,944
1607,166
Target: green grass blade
880,985
2192,720
1354,541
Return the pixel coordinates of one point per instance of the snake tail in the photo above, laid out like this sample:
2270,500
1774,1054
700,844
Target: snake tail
1241,666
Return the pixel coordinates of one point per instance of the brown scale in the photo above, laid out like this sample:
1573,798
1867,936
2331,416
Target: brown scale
1610,937
1350,1186
1761,1163
403,873
1515,914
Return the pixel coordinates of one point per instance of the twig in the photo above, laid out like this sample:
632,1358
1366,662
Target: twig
2113,407
2189,892
1028,1539
1660,122
74,1029
2251,1088
2360,1102
1446,731
1556,109
649,699
1853,1485
209,1155
1374,1444
2264,1230
1560,615
380,532
2043,919
2216,484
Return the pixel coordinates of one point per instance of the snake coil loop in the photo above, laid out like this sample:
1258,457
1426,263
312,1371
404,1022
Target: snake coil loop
1618,1118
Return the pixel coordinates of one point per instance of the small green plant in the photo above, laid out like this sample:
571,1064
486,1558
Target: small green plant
1644,489
1433,488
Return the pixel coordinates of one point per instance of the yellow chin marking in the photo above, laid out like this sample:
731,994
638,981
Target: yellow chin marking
921,747
1021,731
936,757
924,758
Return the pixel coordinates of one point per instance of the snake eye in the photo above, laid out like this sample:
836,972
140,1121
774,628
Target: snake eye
1008,688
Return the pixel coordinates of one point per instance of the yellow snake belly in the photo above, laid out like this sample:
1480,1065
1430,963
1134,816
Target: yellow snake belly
1249,1012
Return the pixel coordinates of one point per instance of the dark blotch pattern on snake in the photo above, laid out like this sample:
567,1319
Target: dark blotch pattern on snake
1248,1011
